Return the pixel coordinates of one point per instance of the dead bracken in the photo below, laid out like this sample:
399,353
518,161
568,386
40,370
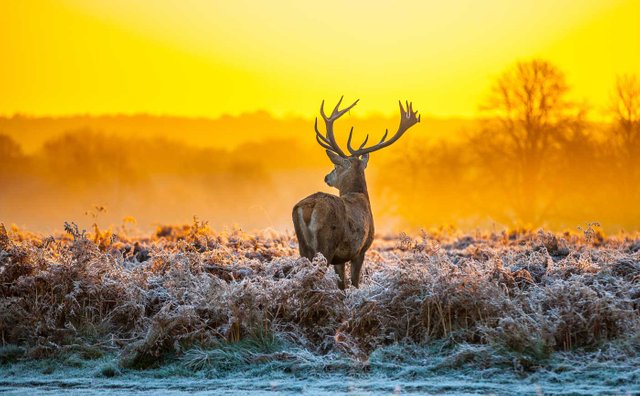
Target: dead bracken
187,290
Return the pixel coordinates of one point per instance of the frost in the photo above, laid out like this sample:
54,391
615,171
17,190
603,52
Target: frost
210,299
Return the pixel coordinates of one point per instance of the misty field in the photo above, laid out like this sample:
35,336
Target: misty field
188,309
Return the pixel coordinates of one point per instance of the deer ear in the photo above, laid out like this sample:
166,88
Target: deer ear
335,158
365,159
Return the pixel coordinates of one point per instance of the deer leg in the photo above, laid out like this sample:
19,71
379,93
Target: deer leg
325,246
339,268
356,266
305,250
303,246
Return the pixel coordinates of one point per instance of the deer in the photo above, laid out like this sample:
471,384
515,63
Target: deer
341,227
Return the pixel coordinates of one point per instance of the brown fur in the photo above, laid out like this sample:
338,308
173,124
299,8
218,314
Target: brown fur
340,228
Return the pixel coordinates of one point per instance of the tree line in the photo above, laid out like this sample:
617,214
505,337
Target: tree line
534,160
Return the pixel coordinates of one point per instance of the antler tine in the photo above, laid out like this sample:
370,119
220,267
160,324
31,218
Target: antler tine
318,134
341,112
329,141
366,139
336,109
325,146
408,118
336,113
322,110
349,139
351,150
386,132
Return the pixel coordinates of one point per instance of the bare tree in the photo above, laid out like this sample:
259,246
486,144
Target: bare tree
528,116
9,149
11,155
625,108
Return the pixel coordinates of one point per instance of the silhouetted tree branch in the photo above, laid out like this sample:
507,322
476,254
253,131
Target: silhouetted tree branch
529,118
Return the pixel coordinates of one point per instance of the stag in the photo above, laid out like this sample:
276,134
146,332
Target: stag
341,227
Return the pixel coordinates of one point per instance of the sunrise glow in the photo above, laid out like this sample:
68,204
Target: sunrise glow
207,58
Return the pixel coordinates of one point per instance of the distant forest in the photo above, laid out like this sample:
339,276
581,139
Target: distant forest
533,159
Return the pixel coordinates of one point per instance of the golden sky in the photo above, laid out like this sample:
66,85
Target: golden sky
207,58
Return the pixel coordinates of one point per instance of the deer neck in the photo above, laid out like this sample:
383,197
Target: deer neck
357,185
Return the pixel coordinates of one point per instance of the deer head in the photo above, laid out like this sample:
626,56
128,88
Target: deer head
348,173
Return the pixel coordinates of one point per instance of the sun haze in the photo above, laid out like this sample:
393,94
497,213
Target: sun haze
208,58
165,109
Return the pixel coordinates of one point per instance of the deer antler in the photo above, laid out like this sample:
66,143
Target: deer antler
408,119
329,141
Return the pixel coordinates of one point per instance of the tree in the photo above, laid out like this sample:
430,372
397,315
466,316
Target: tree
625,108
528,116
9,148
11,156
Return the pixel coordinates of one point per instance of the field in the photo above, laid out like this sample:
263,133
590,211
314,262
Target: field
188,309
